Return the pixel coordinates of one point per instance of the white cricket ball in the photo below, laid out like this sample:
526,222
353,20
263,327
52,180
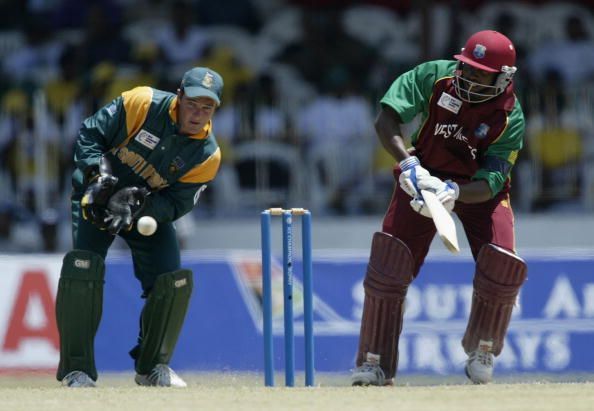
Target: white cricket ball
146,225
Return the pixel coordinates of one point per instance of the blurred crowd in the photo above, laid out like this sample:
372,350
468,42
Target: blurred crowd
302,82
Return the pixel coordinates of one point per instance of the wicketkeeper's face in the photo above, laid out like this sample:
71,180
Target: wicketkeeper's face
194,113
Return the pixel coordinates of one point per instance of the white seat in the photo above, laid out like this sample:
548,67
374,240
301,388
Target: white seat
234,198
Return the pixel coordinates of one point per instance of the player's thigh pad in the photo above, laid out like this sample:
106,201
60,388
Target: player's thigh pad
497,281
79,304
389,273
162,319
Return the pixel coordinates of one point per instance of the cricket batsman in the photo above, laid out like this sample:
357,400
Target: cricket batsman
147,153
472,128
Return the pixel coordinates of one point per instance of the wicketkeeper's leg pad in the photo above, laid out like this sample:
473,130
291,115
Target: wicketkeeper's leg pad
162,319
79,305
497,281
389,273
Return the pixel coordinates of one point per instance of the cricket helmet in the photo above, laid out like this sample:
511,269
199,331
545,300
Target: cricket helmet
489,51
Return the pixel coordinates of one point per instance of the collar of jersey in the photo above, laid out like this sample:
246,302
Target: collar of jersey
173,115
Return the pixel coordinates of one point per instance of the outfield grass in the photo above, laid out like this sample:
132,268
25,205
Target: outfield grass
245,392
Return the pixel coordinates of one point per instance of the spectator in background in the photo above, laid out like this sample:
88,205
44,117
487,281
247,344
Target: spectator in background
102,41
143,70
326,49
333,127
181,42
239,13
98,86
64,95
29,152
571,57
65,88
237,75
557,128
38,58
72,14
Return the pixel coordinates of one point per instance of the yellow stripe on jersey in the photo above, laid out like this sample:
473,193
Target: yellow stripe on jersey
513,156
173,110
136,103
205,171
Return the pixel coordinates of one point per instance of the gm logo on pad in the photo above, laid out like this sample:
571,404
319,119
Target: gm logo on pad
85,264
180,283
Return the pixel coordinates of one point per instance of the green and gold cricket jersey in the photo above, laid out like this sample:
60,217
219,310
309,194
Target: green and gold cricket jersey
137,132
456,139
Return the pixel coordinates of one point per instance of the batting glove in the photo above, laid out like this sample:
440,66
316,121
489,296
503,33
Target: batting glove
419,205
447,192
412,171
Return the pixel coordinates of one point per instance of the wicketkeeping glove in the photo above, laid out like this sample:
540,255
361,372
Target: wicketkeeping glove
100,185
123,207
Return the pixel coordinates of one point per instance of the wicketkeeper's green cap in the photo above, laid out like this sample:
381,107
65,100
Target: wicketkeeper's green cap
203,82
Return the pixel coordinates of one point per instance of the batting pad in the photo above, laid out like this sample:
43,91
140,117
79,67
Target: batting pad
389,273
162,319
497,281
79,305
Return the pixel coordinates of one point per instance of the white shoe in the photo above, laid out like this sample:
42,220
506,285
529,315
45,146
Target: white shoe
368,374
479,366
160,376
78,379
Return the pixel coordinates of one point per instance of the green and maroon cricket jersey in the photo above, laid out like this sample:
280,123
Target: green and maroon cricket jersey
138,134
456,139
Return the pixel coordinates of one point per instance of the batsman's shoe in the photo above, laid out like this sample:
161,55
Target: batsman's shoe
479,366
369,374
160,376
78,379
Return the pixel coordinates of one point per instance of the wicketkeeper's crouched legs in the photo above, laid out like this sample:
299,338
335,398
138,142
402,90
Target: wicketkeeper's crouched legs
162,320
79,305
389,273
497,281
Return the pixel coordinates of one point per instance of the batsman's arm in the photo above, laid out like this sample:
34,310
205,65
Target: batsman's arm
474,192
387,127
498,160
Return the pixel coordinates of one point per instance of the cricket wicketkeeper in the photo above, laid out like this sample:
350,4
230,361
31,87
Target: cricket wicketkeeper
149,152
472,128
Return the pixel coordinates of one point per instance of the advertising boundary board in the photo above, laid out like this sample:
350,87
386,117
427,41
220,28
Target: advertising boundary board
552,329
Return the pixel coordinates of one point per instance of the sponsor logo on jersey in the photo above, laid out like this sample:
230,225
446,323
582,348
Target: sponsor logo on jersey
481,131
454,131
140,167
147,139
479,51
449,102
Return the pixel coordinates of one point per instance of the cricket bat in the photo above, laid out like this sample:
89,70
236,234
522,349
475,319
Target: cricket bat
446,228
